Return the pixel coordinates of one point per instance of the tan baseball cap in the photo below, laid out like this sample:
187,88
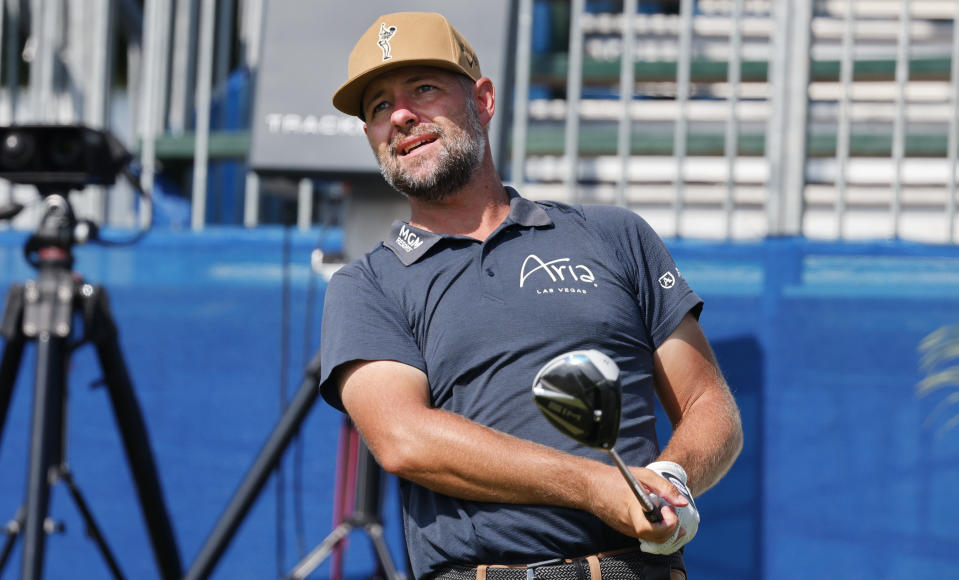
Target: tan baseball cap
403,39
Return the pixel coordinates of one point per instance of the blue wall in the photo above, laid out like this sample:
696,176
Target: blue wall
846,470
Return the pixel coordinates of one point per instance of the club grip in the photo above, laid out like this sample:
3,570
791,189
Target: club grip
655,515
652,505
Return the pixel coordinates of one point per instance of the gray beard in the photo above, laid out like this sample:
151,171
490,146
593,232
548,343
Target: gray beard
463,152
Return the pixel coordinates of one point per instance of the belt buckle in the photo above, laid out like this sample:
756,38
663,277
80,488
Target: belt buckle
531,568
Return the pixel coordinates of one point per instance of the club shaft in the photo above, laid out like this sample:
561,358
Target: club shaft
638,491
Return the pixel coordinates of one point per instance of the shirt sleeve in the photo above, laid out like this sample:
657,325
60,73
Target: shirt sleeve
662,293
360,322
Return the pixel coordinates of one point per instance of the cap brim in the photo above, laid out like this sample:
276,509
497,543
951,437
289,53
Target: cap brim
348,97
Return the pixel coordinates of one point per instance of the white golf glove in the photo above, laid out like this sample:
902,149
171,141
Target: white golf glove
688,515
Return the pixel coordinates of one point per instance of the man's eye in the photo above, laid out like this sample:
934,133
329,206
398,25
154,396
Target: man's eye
378,107
425,88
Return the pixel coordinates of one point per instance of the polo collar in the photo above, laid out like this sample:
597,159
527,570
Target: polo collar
410,243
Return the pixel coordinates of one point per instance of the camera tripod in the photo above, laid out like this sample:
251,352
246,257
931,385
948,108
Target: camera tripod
43,311
356,462
359,468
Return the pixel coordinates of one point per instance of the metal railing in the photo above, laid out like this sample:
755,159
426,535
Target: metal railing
831,119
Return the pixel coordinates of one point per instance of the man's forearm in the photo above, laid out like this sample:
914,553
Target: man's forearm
450,454
707,440
454,456
457,457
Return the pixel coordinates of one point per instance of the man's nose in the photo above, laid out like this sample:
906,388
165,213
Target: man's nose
403,115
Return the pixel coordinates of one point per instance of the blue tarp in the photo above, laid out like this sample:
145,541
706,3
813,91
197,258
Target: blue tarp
849,467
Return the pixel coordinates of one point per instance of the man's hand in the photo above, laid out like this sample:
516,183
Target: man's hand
613,501
687,514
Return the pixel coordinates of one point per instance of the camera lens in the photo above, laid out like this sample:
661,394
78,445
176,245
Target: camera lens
66,150
16,151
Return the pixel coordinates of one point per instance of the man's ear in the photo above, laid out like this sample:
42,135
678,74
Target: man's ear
485,95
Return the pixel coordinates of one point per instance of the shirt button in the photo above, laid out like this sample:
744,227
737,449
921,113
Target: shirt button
489,272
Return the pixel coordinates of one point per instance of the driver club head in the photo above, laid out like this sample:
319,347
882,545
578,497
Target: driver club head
579,393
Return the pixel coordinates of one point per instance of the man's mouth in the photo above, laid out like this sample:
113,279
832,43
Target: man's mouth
414,145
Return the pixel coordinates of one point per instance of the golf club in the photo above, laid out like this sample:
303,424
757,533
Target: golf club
580,394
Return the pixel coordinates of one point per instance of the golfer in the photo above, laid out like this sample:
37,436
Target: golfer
431,341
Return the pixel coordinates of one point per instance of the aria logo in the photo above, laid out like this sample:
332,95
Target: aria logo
559,270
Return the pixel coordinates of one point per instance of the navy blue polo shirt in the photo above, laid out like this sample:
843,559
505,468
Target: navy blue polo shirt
480,318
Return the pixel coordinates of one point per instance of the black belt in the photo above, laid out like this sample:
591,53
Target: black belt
619,565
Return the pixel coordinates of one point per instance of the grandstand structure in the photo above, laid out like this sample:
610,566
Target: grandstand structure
729,119
827,119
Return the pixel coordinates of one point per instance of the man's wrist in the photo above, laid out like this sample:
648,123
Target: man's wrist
669,467
675,474
602,481
687,515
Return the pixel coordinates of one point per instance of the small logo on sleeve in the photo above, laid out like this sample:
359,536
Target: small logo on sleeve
667,280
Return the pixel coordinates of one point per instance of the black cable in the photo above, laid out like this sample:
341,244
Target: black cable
308,350
284,378
147,206
307,354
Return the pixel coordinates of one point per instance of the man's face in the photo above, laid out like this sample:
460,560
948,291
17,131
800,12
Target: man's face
424,127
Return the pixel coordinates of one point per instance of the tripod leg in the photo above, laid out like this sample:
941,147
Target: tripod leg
13,349
12,530
319,553
45,439
228,523
316,557
365,512
103,333
12,355
93,530
375,531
